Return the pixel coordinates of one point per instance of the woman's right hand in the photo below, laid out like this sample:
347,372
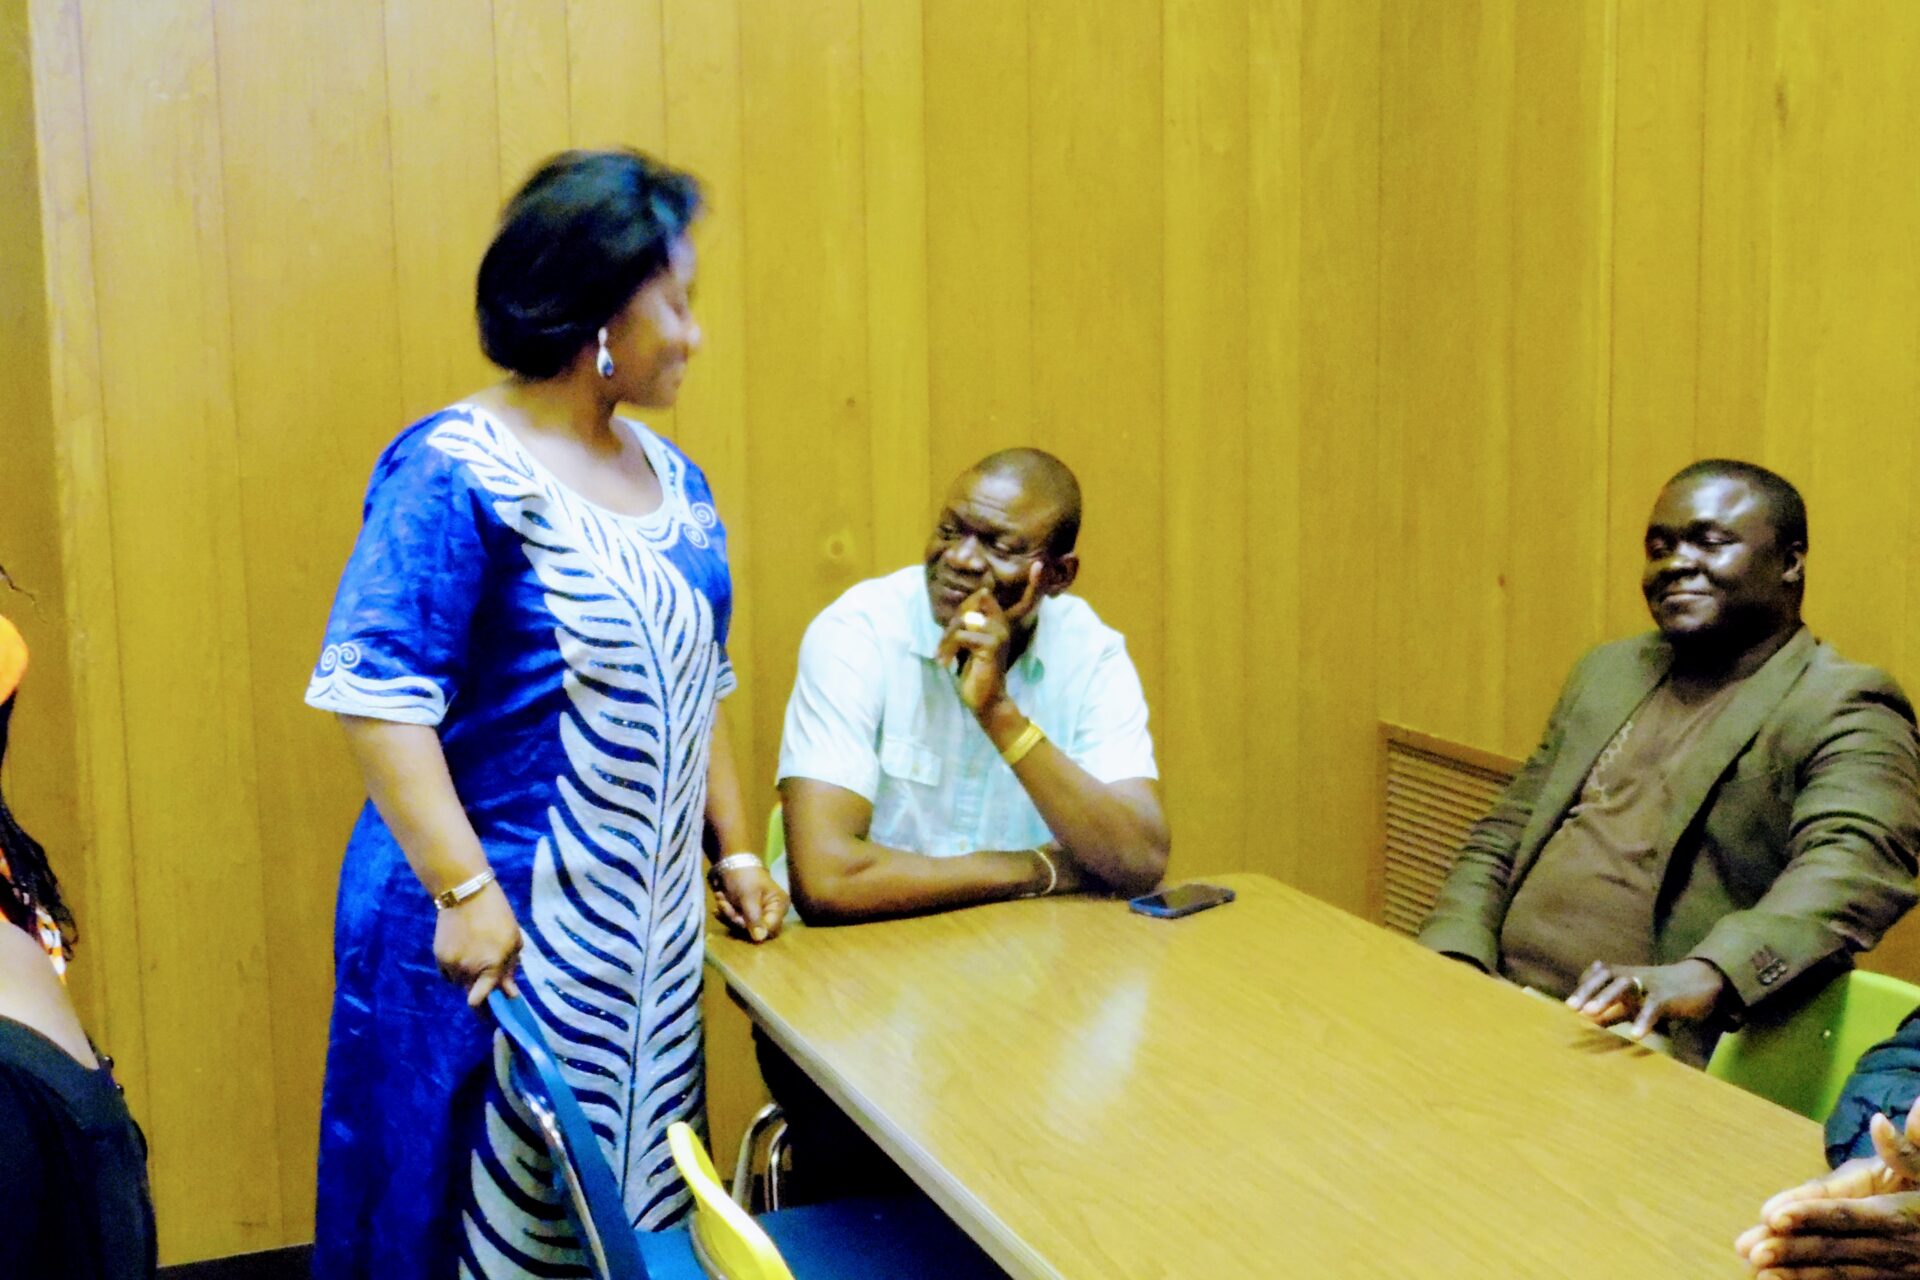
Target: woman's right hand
477,943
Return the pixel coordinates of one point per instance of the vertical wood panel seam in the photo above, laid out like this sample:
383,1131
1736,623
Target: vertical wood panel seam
874,567
1377,801
566,63
233,395
1032,293
1168,512
927,478
499,121
743,318
1700,230
393,209
666,141
1380,550
106,519
1247,401
1774,141
1612,148
1603,412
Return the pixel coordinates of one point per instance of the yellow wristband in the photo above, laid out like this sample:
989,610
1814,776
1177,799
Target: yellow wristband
1026,740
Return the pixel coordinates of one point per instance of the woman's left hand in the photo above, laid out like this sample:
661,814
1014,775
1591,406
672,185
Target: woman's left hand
751,902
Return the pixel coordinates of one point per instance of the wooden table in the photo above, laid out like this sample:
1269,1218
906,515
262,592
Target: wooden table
1270,1088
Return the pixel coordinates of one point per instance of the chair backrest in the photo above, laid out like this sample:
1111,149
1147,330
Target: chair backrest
1802,1058
594,1197
776,849
728,1242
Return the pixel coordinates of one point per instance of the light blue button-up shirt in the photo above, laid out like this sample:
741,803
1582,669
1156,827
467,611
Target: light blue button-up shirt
873,712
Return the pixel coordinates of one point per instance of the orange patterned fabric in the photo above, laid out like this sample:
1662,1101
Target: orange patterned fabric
13,658
13,665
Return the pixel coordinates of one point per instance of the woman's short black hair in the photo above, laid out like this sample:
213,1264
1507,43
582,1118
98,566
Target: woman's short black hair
574,245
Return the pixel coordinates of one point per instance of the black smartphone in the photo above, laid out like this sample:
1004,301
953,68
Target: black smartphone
1181,900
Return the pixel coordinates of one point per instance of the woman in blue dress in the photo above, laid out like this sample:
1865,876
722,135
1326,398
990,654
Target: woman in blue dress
527,651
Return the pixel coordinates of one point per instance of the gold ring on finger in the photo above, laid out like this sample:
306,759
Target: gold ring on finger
973,619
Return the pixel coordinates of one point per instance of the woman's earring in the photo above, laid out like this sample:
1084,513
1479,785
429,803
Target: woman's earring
604,361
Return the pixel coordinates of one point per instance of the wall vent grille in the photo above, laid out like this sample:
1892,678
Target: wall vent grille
1434,791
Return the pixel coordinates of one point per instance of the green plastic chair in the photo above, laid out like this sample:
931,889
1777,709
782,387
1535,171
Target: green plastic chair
1802,1060
775,854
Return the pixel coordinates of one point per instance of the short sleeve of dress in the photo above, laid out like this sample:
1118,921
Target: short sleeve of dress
1111,741
397,639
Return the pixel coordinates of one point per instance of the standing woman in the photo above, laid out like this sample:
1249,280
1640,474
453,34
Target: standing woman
527,651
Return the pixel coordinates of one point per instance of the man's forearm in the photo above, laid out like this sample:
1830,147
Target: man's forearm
845,879
1116,836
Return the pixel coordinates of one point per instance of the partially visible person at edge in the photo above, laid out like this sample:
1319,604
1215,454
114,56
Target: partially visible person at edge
961,731
1862,1220
73,1165
1718,810
527,653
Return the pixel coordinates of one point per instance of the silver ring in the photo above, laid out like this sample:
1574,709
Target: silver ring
973,619
1639,987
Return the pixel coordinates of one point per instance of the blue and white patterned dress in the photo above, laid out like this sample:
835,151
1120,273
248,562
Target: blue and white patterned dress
572,660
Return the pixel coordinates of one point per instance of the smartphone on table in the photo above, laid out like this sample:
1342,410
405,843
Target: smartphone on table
1181,900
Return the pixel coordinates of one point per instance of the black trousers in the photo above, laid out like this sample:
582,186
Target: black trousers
832,1158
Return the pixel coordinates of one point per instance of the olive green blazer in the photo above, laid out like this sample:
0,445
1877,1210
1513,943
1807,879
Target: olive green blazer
1790,832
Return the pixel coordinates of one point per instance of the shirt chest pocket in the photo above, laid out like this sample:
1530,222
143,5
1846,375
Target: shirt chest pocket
909,761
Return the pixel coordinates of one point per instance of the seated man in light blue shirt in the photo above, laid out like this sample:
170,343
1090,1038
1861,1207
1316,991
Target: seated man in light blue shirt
966,732
959,733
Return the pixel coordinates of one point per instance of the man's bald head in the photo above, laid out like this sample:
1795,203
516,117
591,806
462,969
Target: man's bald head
1008,524
1045,478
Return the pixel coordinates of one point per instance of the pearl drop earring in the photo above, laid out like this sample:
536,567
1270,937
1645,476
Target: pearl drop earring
604,361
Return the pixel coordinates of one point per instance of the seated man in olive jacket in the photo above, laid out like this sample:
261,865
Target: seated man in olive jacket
1716,808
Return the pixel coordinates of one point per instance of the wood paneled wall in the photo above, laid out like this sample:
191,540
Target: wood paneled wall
1613,239
1370,329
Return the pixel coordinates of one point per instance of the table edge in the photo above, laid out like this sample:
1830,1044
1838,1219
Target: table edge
1011,1253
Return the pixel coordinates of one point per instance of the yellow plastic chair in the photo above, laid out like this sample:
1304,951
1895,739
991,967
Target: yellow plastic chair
1801,1059
728,1243
881,1238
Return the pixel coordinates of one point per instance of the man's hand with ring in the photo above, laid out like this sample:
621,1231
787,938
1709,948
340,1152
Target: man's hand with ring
982,633
1684,992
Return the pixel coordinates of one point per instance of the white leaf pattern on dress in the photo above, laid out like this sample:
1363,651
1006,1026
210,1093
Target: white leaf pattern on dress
611,966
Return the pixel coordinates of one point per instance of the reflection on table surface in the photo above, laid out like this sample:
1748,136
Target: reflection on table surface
1269,1088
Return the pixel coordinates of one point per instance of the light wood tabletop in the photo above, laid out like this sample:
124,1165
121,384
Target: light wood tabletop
1270,1088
